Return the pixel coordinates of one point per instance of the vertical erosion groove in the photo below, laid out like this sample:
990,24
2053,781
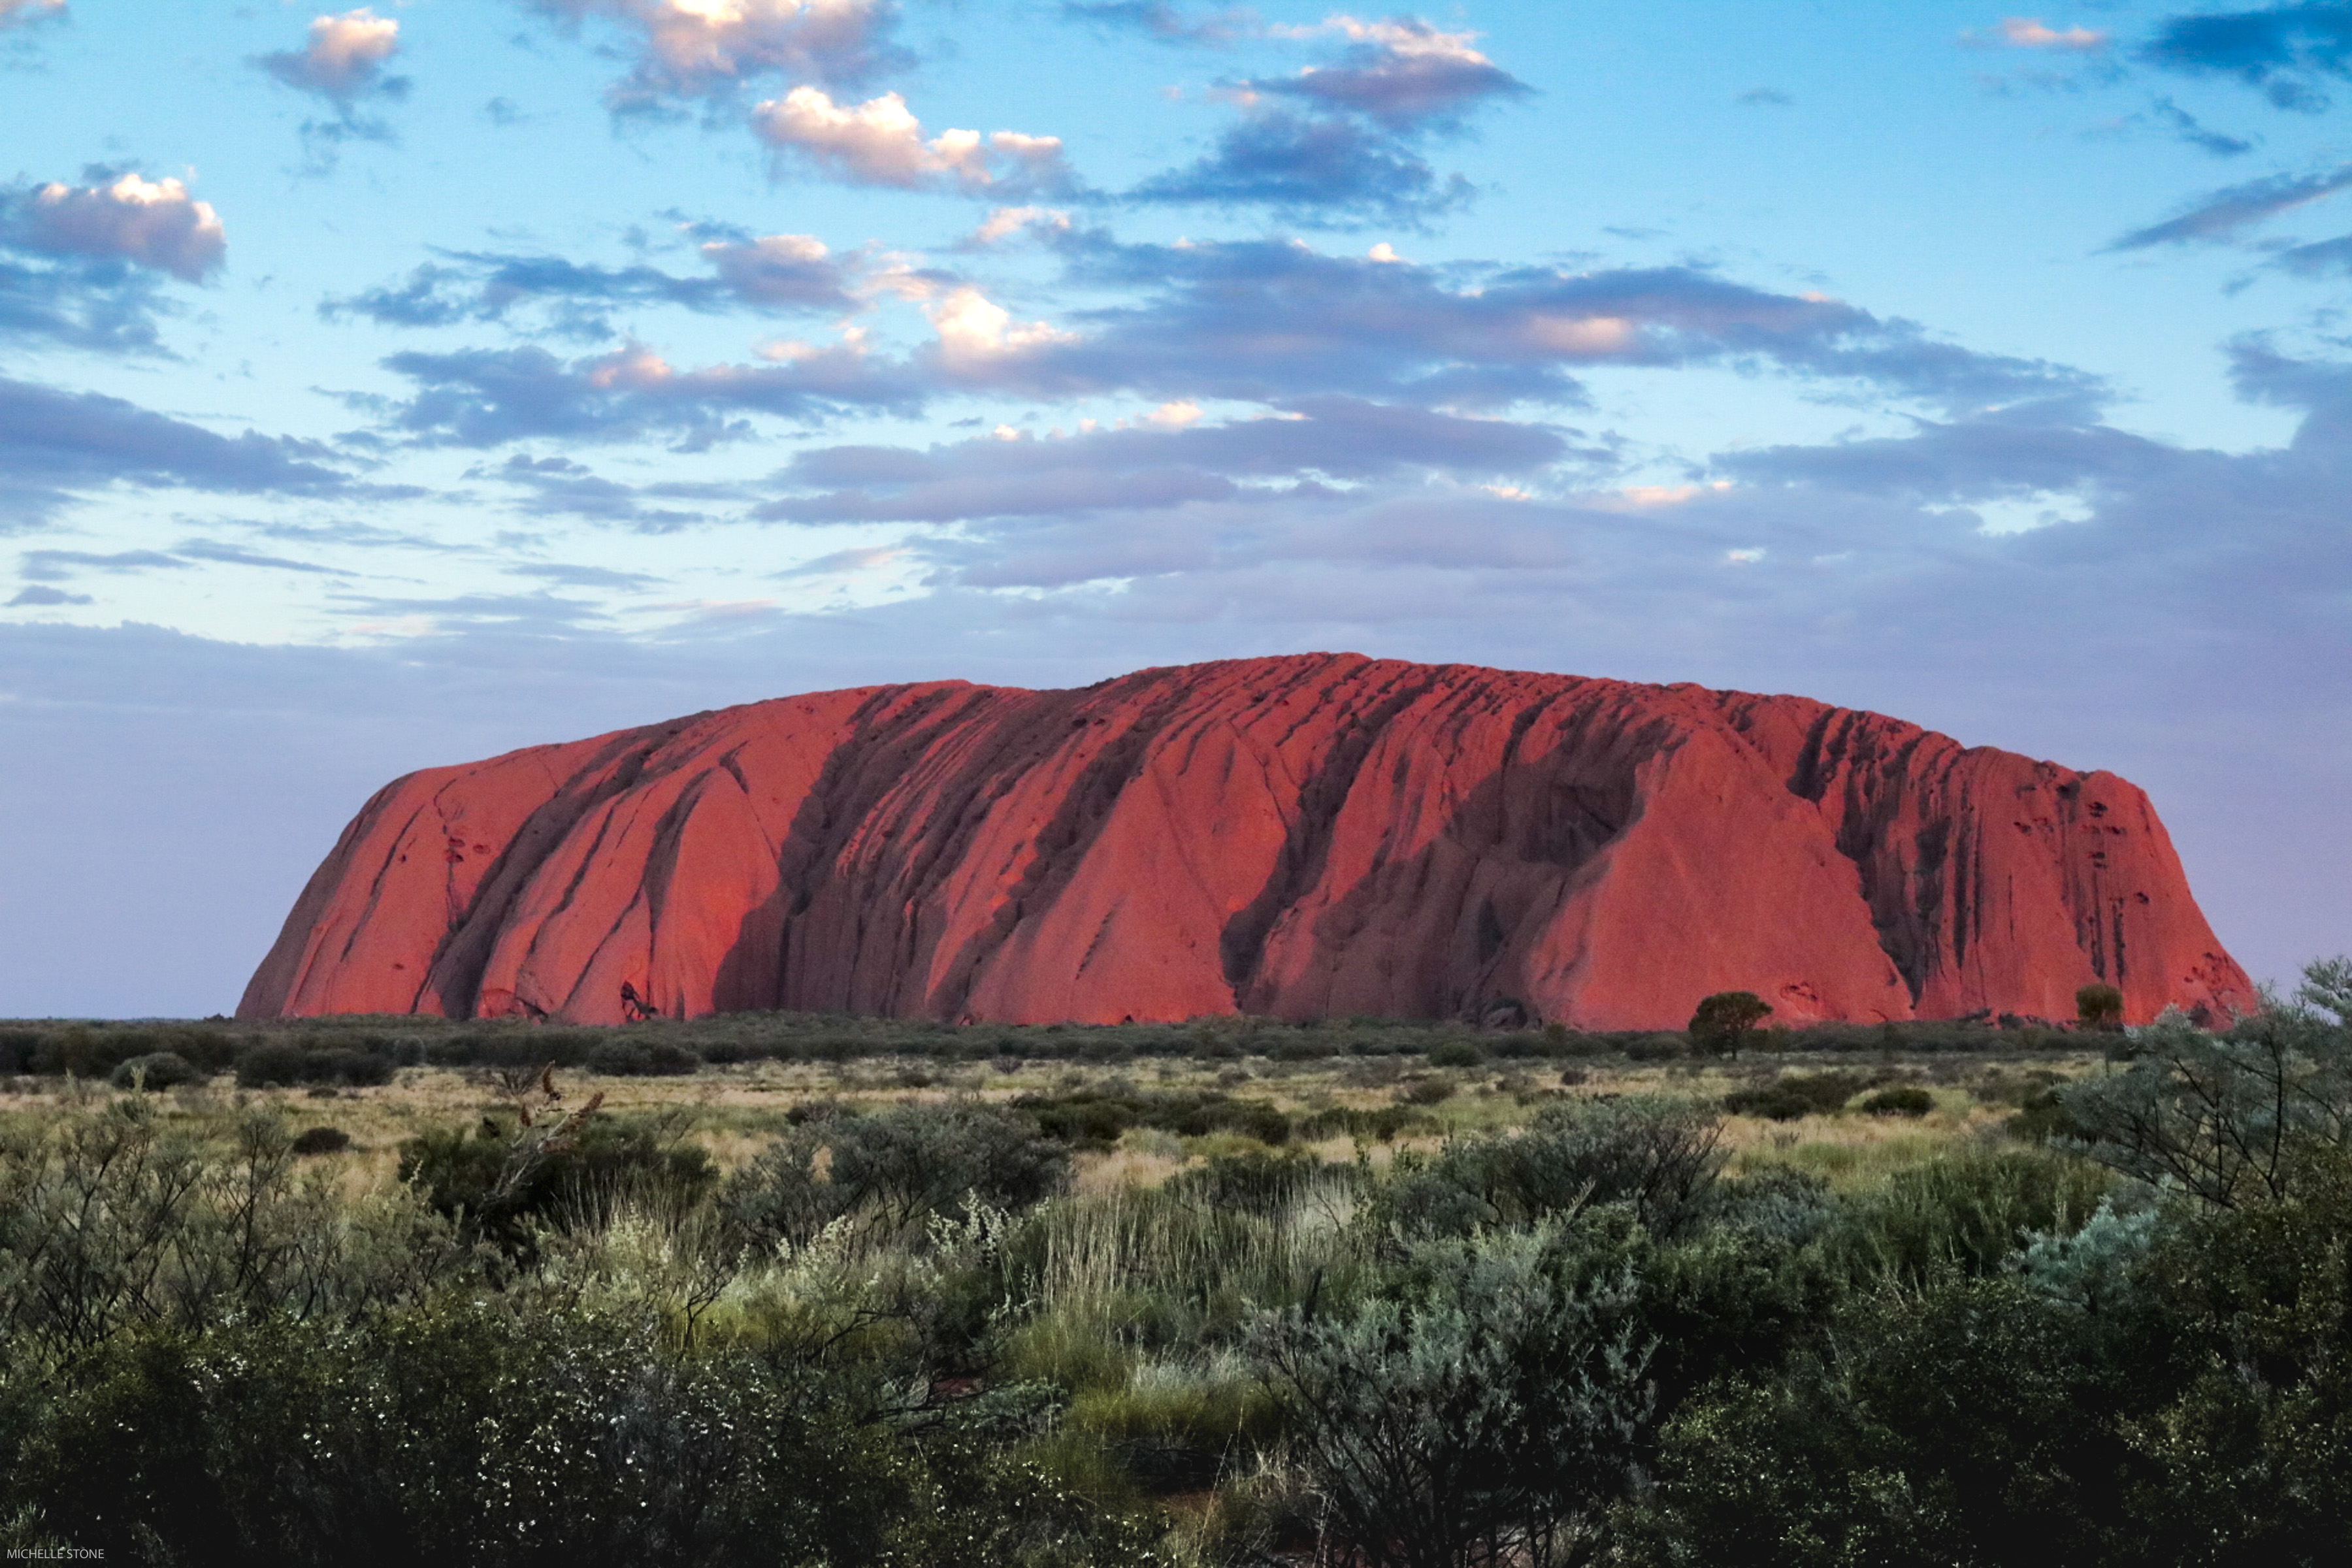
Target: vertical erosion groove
1306,846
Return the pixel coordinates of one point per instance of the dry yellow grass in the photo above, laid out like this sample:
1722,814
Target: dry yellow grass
734,1111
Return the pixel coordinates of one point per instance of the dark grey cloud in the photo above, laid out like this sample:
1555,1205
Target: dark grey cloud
773,274
1151,469
55,445
485,397
685,52
2285,50
2222,214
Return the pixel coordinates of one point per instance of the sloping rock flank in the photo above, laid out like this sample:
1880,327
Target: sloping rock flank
1324,835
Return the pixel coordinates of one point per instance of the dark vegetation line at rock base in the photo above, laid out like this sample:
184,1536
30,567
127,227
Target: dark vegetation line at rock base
362,1050
898,1335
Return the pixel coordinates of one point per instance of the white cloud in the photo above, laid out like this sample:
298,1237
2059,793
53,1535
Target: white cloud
1408,39
880,142
344,58
1003,221
975,332
150,221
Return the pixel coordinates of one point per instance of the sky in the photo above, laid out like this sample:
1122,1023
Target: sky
390,388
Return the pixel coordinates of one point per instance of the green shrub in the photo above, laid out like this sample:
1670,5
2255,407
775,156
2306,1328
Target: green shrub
1795,1095
281,1064
642,1058
321,1141
1456,1053
1658,1155
161,1069
1486,1403
1902,1101
892,1171
1424,1091
1963,1213
503,1181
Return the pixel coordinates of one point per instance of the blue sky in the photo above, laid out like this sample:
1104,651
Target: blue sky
386,387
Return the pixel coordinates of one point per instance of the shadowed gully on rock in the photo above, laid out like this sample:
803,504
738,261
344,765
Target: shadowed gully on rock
1322,835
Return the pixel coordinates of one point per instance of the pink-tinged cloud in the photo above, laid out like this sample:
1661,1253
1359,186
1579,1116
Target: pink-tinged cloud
2031,33
152,222
704,48
17,13
880,142
1402,72
344,58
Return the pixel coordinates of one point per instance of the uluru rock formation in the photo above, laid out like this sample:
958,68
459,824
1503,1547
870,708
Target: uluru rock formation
1324,835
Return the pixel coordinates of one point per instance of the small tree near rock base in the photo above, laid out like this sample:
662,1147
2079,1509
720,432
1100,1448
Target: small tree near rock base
1725,1019
2099,1007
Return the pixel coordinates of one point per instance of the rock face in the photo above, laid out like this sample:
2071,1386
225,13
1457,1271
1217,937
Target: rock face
1324,835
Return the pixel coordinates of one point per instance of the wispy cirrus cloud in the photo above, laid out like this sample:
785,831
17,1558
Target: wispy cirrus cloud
776,273
1262,321
1167,24
56,446
485,397
1151,465
708,49
2222,214
2194,132
561,487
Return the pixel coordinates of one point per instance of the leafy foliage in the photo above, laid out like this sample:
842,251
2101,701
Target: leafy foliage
1724,1020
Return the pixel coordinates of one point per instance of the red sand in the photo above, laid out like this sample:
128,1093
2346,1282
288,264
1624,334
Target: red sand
1299,837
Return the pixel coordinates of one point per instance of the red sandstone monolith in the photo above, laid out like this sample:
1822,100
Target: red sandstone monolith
1323,835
